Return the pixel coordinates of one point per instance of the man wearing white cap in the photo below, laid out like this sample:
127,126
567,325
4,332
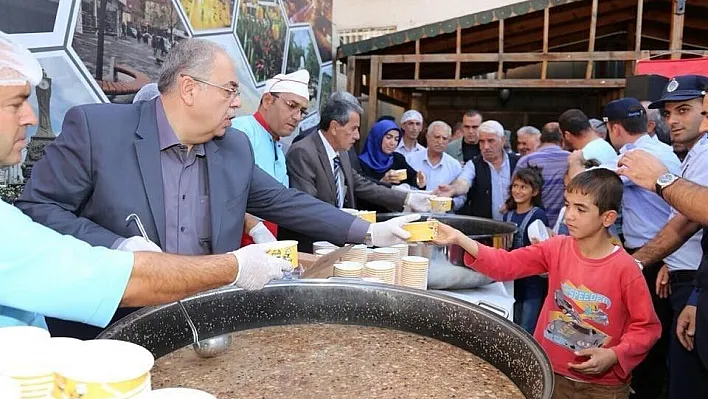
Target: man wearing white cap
412,125
283,105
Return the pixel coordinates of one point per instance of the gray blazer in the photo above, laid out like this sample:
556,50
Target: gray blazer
310,171
106,165
454,149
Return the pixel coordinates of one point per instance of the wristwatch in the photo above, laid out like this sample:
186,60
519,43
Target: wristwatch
664,181
639,263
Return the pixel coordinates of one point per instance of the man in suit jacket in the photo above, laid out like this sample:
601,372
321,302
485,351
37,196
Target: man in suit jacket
176,163
319,164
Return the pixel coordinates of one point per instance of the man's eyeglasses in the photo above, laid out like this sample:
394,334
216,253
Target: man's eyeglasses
292,105
233,91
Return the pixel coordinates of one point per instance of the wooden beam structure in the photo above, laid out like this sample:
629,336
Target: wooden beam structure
417,55
459,56
546,23
458,51
509,57
351,71
638,27
373,82
591,41
452,84
677,22
500,69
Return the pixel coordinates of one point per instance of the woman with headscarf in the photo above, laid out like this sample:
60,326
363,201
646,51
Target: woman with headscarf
380,161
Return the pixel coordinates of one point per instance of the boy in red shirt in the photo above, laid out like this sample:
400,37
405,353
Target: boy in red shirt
597,322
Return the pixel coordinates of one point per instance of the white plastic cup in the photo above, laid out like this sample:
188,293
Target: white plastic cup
9,388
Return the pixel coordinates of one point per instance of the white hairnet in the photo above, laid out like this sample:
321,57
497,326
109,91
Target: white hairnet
146,93
17,65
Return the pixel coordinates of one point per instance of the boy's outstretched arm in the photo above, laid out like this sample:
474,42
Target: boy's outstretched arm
498,264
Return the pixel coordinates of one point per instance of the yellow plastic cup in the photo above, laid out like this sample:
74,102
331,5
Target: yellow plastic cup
440,204
104,369
422,231
400,174
369,216
285,250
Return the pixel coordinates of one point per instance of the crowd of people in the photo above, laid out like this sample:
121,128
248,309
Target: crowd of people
615,296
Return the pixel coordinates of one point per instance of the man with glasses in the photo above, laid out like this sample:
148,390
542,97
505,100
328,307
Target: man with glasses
282,107
175,162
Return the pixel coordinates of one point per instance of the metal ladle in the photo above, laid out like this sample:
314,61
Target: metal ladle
207,348
211,347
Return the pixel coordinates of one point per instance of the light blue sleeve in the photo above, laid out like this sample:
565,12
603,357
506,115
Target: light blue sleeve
44,272
459,201
468,173
244,124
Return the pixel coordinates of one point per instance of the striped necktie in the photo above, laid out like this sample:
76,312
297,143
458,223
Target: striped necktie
337,185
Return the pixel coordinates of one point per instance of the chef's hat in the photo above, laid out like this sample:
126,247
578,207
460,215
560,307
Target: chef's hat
296,82
17,65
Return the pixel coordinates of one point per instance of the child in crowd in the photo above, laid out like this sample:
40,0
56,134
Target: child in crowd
597,322
525,207
561,228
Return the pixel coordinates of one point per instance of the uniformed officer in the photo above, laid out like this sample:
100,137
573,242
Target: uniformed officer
682,104
689,199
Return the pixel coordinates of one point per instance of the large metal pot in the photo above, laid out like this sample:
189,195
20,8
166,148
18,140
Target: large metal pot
163,329
447,268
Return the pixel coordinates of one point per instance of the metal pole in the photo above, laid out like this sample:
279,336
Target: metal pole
101,36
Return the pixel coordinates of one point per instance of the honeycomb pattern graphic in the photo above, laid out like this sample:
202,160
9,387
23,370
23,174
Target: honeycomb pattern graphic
261,29
259,36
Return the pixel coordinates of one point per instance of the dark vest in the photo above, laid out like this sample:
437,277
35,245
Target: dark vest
479,196
702,274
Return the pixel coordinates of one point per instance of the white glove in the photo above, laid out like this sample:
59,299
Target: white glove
137,244
256,268
390,232
418,202
402,187
261,234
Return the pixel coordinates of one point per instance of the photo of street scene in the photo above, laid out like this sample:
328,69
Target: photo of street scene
261,28
28,16
137,35
61,89
326,85
250,96
302,54
208,14
317,13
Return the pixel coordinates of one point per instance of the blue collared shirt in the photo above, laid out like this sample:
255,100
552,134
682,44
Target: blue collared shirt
268,153
501,180
695,169
644,213
45,273
402,149
553,162
444,172
185,185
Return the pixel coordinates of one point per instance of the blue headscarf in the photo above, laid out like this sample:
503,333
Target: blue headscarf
373,155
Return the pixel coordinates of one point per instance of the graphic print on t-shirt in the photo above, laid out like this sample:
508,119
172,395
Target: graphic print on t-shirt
569,326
